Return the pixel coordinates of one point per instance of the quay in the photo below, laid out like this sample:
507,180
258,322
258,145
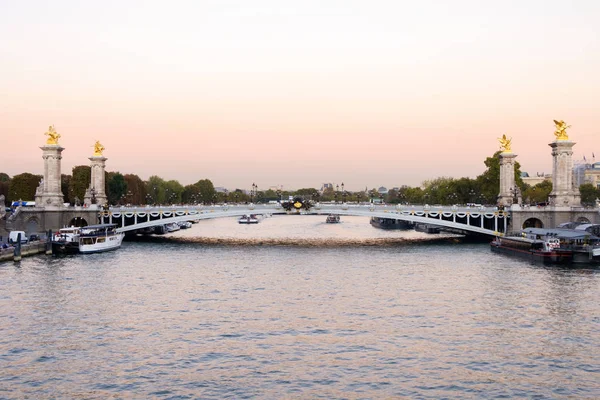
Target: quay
29,249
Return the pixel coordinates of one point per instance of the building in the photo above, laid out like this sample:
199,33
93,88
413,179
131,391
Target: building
534,180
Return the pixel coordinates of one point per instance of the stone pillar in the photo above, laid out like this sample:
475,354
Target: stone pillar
507,179
49,193
98,195
563,193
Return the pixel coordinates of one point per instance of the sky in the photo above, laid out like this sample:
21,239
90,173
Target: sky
297,93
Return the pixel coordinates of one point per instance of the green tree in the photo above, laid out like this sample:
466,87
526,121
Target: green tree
308,193
136,189
207,191
173,191
589,194
23,186
80,181
65,183
4,187
116,188
190,194
538,193
155,187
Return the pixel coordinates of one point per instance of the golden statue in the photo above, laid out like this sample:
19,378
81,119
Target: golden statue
98,148
52,135
505,144
561,130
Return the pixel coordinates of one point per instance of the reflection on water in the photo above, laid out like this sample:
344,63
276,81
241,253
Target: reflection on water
194,320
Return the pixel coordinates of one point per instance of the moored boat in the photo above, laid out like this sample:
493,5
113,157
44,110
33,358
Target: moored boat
248,219
553,246
98,238
390,223
66,241
332,219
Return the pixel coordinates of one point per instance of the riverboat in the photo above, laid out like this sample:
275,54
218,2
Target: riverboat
66,241
552,246
332,219
248,219
390,223
98,238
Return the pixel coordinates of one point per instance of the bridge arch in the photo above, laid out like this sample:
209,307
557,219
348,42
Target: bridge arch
533,223
78,221
583,220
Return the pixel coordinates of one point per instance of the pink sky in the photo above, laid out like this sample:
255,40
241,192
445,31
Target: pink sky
368,93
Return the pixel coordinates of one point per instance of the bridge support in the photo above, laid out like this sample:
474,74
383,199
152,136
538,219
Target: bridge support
507,179
96,194
49,194
563,194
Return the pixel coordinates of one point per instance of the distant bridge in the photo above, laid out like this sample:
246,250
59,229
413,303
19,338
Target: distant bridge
487,221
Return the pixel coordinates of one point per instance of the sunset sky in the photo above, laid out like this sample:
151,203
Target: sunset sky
297,93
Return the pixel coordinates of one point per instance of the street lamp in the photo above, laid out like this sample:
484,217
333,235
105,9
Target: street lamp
279,194
337,189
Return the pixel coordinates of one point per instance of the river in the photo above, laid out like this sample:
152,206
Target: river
296,308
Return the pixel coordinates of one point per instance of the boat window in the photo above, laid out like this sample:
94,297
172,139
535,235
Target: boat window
100,240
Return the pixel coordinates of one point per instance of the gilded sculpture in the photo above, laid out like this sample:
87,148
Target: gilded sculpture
98,148
561,130
52,135
505,144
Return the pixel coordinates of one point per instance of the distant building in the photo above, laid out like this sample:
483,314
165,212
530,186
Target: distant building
588,173
221,190
383,190
326,186
534,180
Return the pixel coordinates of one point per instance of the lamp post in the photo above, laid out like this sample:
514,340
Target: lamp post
253,192
337,189
279,194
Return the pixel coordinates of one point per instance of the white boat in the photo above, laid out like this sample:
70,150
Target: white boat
185,224
97,238
66,241
248,219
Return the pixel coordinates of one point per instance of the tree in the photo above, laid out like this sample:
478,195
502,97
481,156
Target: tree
538,193
65,183
80,181
23,186
173,191
190,194
136,189
589,194
116,187
207,190
4,187
155,187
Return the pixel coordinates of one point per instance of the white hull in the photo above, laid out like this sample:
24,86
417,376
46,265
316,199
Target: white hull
100,243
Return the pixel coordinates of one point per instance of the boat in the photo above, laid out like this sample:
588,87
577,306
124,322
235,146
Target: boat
427,228
332,219
66,241
390,223
172,227
551,246
248,219
185,224
98,238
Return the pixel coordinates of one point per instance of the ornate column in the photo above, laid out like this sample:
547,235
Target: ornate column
507,173
96,194
49,193
563,193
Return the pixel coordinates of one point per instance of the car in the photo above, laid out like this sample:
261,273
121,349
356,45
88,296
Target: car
34,237
13,236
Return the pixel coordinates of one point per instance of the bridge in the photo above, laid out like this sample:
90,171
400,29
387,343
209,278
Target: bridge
480,221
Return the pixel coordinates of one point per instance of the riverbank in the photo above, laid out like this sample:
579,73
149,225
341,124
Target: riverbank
29,249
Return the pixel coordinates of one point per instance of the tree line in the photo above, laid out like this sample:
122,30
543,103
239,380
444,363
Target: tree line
130,189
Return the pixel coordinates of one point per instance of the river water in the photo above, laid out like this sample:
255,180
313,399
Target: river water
296,308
